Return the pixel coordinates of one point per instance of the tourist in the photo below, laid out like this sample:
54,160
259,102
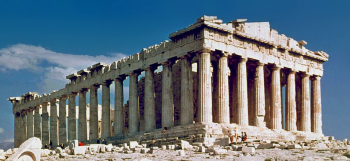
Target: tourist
46,146
50,145
165,129
98,141
245,136
62,145
81,144
104,141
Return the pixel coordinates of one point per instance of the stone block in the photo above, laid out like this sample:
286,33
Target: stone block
184,144
266,146
248,150
202,149
80,150
145,150
58,150
109,147
220,151
222,141
45,152
95,148
180,152
72,144
163,147
102,148
294,146
171,147
133,144
197,144
239,148
155,148
321,146
233,153
138,150
9,152
28,150
2,154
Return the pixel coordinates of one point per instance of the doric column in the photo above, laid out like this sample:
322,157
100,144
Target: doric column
233,92
133,103
259,85
82,115
316,108
106,110
167,95
30,126
204,89
223,110
305,104
53,123
118,106
17,130
149,103
72,122
45,125
242,93
186,116
23,127
37,122
62,120
93,113
276,106
291,111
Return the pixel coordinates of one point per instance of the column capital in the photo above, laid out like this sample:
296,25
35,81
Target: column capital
205,50
305,75
121,77
83,91
169,62
106,83
276,68
292,71
188,56
316,77
259,63
23,113
53,100
44,103
244,60
95,86
135,72
152,68
73,94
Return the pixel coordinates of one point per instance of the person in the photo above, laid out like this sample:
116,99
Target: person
62,145
164,129
245,136
104,141
81,144
50,145
98,141
46,147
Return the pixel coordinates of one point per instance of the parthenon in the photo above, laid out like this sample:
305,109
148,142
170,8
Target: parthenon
214,76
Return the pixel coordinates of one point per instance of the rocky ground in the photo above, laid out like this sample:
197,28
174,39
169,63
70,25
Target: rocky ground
265,150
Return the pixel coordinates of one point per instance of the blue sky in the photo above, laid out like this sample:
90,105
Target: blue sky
42,41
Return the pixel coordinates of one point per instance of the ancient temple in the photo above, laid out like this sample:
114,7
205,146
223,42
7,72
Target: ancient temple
214,76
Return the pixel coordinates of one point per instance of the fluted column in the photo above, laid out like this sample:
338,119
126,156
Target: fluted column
30,126
106,108
167,95
276,106
291,111
149,103
17,130
72,122
82,115
37,121
223,114
93,113
53,123
118,106
186,92
23,127
242,93
45,125
316,108
259,85
305,104
204,89
133,103
62,120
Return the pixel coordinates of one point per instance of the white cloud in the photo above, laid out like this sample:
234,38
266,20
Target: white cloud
1,130
55,66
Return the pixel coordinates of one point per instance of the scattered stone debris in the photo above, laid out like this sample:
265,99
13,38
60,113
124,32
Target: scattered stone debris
186,149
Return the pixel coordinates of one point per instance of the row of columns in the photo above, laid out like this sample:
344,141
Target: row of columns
223,109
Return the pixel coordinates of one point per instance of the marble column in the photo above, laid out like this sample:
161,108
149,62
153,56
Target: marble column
133,104
233,92
53,123
222,106
118,106
72,122
93,136
62,120
37,122
106,109
305,104
82,130
30,126
291,111
150,106
167,95
23,128
276,106
45,125
186,116
17,130
204,89
242,93
316,108
259,85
